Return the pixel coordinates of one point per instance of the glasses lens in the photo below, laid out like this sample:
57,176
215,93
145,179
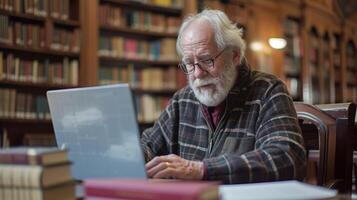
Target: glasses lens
208,63
183,68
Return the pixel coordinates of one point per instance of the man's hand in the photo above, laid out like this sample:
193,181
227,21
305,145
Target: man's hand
173,166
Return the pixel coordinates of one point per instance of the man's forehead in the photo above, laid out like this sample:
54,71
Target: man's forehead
198,32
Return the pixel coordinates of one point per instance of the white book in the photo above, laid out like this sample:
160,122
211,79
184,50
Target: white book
280,190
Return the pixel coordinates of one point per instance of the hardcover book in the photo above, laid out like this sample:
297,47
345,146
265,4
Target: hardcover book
34,176
64,191
33,156
150,189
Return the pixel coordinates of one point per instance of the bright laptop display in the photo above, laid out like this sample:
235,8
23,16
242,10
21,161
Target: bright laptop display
98,125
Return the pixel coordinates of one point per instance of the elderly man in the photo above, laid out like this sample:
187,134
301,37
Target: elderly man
230,124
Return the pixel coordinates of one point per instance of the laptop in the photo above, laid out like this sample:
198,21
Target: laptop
98,126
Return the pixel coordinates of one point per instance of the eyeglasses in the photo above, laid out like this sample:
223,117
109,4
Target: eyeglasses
206,65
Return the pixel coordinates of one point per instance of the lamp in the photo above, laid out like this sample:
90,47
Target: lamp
277,43
256,46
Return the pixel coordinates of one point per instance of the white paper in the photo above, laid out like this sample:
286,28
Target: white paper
284,190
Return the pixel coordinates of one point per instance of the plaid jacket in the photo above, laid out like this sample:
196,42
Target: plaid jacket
257,139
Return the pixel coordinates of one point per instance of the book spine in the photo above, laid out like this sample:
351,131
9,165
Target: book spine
20,159
20,176
135,193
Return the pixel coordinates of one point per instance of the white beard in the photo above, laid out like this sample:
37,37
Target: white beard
223,83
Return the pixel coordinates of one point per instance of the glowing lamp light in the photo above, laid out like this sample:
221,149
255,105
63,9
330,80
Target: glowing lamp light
256,46
277,43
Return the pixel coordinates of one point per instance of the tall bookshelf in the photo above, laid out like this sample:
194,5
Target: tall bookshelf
337,67
135,44
314,65
39,51
351,71
326,69
292,57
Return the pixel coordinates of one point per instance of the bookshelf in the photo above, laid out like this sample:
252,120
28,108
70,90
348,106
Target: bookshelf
326,69
133,42
318,63
292,56
337,67
39,51
314,65
351,71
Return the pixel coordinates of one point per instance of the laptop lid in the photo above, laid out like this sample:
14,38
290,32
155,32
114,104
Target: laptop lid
98,125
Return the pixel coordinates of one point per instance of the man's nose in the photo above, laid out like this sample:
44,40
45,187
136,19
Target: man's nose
199,72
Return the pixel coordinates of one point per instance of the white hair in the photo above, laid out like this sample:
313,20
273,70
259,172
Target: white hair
226,33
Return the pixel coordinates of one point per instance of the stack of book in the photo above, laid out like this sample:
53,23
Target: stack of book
111,189
35,173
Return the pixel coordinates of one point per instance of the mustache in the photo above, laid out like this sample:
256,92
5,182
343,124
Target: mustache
202,82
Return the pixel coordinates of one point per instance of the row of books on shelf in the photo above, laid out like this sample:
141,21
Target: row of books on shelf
314,55
165,3
314,69
293,85
66,40
351,62
292,66
55,8
34,36
149,107
336,58
39,140
14,68
121,47
351,78
351,94
291,26
29,139
293,46
141,20
338,76
142,78
35,173
30,35
21,105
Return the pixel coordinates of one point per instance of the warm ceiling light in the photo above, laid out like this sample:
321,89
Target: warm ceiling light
256,46
277,43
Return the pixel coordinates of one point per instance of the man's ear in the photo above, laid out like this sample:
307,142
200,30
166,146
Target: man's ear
236,56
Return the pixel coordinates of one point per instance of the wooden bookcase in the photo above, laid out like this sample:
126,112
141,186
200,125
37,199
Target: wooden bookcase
134,42
292,56
39,51
336,51
351,70
319,62
314,65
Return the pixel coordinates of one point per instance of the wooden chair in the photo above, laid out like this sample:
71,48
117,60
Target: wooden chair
319,127
327,131
345,114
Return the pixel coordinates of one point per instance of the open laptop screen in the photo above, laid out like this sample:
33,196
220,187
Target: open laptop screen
98,125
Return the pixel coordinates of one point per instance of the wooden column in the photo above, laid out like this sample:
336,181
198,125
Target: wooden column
190,7
88,72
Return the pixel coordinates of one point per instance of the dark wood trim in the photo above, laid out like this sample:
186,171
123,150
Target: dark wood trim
21,121
32,85
130,31
137,61
162,92
70,23
23,16
39,51
146,6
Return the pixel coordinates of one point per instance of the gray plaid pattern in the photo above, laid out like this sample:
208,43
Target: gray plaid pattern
257,139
